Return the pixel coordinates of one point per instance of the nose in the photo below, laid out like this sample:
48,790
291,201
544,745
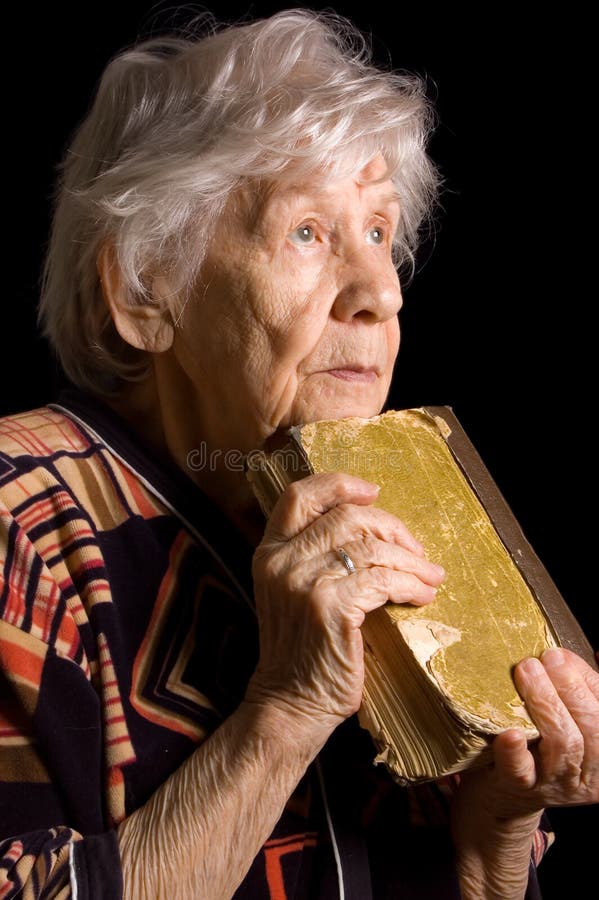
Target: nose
367,288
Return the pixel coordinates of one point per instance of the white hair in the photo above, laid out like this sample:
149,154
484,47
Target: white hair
177,124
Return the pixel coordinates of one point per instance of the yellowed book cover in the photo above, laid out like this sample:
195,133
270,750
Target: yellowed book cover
438,682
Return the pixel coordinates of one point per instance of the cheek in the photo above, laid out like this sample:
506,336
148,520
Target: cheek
300,302
393,339
300,334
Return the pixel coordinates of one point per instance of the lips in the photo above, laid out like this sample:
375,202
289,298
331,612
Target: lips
363,374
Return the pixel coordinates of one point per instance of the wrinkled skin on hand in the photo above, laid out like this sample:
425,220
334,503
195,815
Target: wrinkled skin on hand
562,769
497,809
310,610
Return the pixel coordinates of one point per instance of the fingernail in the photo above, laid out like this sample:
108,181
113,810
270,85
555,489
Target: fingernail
553,658
532,667
439,570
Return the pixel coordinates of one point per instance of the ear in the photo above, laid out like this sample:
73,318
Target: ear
147,325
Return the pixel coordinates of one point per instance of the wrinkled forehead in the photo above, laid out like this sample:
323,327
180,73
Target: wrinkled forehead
255,197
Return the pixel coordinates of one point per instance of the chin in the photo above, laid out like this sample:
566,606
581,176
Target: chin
340,408
328,398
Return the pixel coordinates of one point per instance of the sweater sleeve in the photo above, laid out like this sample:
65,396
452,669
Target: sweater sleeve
55,840
58,862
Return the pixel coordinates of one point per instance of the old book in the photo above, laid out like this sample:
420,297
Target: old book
438,684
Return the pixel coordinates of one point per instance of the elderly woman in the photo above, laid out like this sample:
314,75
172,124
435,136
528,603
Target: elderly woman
180,679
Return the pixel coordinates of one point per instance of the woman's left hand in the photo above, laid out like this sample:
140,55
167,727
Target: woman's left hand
561,693
496,809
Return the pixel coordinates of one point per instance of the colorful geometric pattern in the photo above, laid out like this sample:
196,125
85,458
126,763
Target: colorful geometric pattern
126,637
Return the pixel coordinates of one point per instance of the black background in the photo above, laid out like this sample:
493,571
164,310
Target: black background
496,321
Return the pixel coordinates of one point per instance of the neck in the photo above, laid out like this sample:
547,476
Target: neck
173,427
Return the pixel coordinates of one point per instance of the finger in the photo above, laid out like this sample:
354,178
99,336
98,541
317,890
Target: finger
561,748
569,679
370,551
590,675
305,501
368,589
346,523
331,508
513,759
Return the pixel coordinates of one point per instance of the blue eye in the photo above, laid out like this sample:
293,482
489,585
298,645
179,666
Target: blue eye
375,236
303,235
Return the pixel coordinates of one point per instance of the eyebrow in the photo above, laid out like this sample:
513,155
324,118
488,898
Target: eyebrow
300,196
259,202
393,197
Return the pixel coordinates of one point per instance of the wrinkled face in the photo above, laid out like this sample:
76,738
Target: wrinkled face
295,315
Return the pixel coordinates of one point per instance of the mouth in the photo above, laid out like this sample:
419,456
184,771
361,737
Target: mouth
359,374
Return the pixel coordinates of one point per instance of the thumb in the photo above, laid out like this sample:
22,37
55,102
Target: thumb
513,759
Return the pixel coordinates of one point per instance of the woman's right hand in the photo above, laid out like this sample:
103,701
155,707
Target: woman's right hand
310,609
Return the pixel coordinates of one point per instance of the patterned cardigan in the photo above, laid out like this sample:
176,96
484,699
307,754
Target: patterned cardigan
127,634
